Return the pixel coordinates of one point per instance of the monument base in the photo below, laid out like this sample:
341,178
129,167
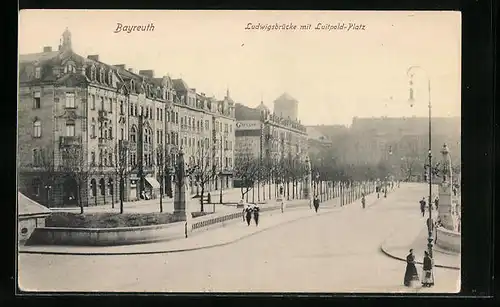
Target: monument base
180,215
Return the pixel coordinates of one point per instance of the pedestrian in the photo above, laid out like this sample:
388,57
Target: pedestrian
411,274
281,190
316,203
422,206
209,198
363,200
248,214
427,275
377,189
256,211
436,203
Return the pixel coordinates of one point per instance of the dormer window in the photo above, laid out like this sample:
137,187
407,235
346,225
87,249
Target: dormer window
38,72
93,73
110,77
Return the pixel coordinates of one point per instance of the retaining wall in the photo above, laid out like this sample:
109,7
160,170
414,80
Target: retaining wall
448,240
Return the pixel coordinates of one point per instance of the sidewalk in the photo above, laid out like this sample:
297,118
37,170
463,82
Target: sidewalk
414,236
229,233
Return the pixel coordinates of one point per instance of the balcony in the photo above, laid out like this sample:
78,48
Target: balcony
67,141
104,141
102,115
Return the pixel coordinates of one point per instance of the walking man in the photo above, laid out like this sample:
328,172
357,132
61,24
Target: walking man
436,203
363,200
316,203
422,206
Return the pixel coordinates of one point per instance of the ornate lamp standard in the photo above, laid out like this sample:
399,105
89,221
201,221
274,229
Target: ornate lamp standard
48,187
410,72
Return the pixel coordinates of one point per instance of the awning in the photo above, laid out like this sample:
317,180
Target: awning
153,182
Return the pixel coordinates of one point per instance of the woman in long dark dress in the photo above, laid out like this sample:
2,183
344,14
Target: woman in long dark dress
411,273
248,214
256,210
427,275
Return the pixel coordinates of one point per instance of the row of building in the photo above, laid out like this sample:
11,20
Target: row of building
70,101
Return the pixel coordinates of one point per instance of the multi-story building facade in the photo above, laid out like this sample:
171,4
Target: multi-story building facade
69,101
267,137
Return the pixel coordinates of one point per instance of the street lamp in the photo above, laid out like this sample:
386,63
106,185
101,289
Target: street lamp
47,189
411,100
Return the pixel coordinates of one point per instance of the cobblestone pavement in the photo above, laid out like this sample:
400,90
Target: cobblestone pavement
333,252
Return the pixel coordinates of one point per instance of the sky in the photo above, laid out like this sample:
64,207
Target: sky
334,74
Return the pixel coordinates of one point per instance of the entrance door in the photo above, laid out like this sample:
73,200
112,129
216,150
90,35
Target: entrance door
70,192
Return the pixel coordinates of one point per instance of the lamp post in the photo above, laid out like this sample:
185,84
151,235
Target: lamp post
47,189
387,176
410,72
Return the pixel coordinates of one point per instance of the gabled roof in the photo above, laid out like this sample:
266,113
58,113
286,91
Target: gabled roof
37,57
27,206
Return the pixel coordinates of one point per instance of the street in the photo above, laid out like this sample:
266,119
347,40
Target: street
334,252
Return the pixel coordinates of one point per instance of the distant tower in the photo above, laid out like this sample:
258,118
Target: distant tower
66,40
286,106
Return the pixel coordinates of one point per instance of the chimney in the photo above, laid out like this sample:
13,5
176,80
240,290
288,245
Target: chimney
131,69
93,57
147,73
120,66
47,49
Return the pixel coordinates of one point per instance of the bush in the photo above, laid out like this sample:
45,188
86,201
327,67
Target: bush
107,220
112,220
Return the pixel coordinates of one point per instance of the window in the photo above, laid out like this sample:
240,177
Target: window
121,107
225,128
36,186
111,132
92,102
92,155
70,100
38,71
122,133
37,128
110,105
36,100
207,124
231,128
36,157
110,159
176,117
133,133
142,111
102,103
92,132
70,129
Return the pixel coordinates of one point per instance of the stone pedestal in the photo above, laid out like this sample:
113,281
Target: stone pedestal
307,188
180,192
446,208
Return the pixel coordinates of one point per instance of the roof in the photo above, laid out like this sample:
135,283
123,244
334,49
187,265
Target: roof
28,206
180,85
40,57
285,97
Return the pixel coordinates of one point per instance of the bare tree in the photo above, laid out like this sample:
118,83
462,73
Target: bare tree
202,171
76,166
162,164
247,171
408,167
122,168
44,164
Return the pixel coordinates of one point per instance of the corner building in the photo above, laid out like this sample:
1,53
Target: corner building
67,100
261,134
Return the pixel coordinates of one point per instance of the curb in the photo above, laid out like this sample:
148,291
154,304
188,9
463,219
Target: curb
384,250
172,250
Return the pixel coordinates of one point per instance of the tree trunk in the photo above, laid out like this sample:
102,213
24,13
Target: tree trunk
79,198
201,198
122,192
162,188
